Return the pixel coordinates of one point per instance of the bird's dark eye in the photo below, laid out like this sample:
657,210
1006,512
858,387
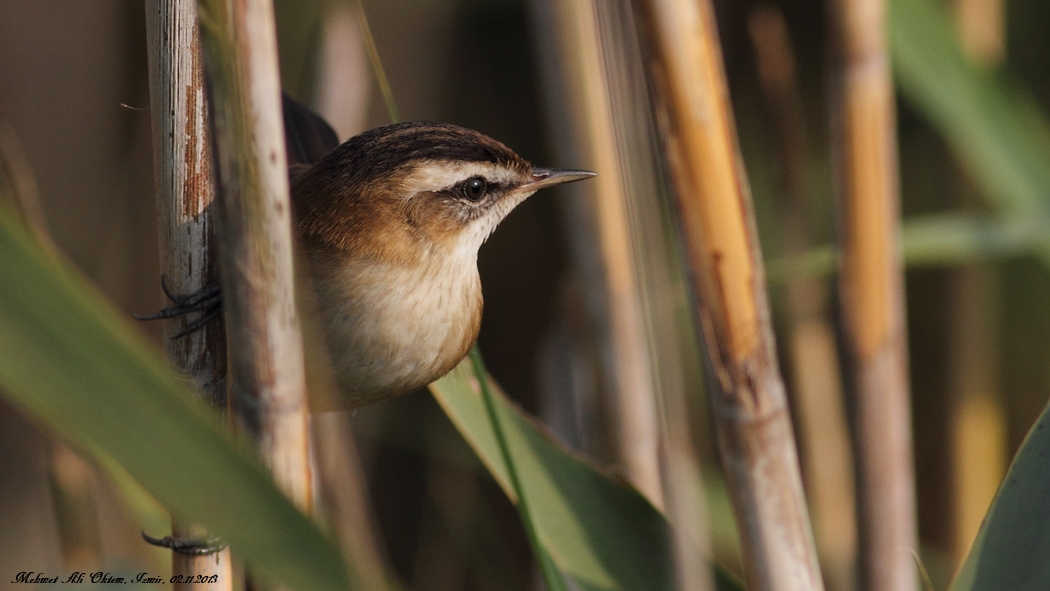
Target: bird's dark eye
474,188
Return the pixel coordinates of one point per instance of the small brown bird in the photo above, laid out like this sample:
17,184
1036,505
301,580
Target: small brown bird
390,224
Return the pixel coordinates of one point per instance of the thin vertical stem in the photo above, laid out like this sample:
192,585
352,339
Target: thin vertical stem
747,395
185,192
977,420
344,85
344,491
871,291
633,385
377,65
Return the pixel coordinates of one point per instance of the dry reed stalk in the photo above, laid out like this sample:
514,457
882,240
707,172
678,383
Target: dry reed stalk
625,352
977,420
267,381
871,291
747,395
827,455
637,428
617,104
573,363
185,192
596,87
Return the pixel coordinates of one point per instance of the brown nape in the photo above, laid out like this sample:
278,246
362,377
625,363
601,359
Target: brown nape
339,197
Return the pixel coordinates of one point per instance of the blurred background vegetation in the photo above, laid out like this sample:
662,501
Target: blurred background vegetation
74,112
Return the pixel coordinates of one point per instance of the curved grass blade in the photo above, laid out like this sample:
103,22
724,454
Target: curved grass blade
71,362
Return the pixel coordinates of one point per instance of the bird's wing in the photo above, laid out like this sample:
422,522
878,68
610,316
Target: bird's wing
307,136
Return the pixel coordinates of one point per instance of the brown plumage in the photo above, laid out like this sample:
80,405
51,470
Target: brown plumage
391,222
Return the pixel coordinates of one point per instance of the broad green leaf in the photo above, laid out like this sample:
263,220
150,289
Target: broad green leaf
601,533
1012,547
993,126
76,366
553,578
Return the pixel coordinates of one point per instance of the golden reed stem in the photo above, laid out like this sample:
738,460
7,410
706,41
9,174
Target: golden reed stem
747,396
871,291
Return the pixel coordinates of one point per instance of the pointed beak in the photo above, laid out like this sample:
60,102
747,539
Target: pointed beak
548,177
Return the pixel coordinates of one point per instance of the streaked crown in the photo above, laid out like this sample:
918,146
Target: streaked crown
406,186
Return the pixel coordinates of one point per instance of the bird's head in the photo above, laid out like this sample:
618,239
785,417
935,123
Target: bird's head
397,191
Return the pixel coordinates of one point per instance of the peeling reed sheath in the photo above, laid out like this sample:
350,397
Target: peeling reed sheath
871,291
747,397
185,192
266,371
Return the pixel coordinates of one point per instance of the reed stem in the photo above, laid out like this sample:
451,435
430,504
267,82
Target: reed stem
267,381
746,391
185,193
817,392
871,289
621,231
